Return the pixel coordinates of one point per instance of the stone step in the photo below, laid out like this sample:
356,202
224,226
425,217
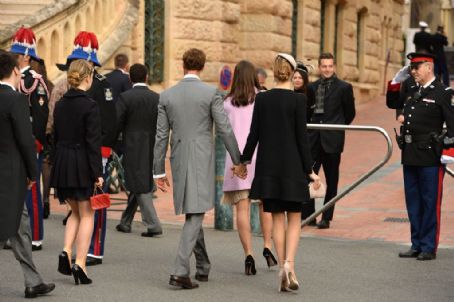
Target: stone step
12,11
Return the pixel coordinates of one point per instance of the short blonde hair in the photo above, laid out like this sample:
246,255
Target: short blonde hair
283,71
78,71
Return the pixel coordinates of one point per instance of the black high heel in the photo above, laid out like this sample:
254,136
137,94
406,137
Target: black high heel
64,264
79,275
269,257
249,266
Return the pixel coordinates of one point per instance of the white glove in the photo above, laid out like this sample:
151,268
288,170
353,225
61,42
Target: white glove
401,75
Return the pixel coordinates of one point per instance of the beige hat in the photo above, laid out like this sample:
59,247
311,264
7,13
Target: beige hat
288,58
423,24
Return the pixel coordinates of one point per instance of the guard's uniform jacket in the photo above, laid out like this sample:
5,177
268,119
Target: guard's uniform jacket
33,85
101,92
425,113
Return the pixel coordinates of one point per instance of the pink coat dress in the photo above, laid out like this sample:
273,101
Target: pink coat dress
240,119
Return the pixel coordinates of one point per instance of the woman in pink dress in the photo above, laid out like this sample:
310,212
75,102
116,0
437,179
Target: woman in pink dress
239,105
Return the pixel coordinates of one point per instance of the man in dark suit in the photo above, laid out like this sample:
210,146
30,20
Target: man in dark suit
422,39
334,104
17,168
137,114
119,78
439,41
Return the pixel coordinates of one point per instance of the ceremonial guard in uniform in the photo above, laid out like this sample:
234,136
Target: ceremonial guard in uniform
422,142
85,47
34,87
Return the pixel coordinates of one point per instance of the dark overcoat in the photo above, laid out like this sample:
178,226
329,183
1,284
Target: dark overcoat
17,158
339,108
101,91
137,114
283,155
77,136
119,81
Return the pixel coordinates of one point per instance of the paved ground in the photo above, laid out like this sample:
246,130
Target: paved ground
137,269
355,260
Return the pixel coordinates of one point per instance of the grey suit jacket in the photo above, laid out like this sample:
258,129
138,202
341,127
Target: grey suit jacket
188,110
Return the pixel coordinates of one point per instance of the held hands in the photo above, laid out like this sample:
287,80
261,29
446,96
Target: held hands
162,183
99,182
316,180
239,171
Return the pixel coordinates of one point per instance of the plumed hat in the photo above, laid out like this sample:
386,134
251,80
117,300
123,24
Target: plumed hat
24,43
85,48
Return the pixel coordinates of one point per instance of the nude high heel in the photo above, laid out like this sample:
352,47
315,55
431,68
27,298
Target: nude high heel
291,278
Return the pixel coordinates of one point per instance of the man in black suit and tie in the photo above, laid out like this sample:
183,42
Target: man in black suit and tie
137,113
334,104
17,173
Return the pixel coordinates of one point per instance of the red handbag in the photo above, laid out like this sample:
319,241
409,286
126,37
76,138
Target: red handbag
99,201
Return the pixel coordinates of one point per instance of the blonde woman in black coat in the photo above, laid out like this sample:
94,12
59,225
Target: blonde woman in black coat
77,167
283,163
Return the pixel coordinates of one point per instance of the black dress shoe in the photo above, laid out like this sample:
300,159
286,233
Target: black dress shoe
91,261
42,289
323,224
37,247
151,234
409,254
183,282
426,256
201,278
313,223
122,228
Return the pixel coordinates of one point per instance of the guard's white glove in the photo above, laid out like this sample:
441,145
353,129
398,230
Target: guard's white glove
401,75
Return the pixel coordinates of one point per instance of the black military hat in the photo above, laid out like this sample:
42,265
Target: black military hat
417,58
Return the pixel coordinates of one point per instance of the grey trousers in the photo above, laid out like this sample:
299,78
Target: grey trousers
192,241
21,244
149,216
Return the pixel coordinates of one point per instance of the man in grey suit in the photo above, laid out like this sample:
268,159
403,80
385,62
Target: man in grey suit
189,110
137,113
17,168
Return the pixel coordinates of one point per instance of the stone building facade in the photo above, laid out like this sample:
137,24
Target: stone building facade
364,35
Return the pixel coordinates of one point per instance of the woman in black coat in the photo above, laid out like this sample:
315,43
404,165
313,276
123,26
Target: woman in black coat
78,166
283,163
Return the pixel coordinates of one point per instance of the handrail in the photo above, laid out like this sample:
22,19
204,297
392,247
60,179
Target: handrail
450,172
364,176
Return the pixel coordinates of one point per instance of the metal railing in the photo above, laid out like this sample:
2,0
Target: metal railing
364,176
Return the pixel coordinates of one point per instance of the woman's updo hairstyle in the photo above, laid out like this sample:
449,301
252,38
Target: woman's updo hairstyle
284,66
78,71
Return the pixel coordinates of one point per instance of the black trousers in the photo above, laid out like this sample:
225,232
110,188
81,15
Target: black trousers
330,163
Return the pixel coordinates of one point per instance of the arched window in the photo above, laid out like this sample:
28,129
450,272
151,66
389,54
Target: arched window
98,17
360,41
68,36
54,48
78,24
41,46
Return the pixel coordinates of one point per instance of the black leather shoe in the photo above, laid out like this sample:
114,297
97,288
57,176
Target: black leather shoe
42,289
426,256
151,234
323,224
201,278
409,254
37,247
122,228
91,261
183,282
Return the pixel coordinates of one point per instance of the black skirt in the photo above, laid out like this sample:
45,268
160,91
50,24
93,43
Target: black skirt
75,194
277,206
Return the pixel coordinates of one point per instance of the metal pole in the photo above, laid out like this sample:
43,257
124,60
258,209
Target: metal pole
364,176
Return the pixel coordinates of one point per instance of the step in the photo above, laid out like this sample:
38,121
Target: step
27,2
26,9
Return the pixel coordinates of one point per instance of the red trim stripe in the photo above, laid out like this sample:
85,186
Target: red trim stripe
422,59
96,239
35,227
441,173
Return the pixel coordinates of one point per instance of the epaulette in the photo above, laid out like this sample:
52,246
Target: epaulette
100,77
